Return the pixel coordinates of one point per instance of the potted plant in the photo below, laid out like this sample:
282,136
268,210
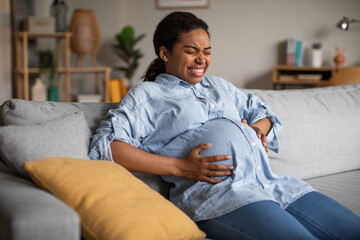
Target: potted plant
47,69
316,55
125,49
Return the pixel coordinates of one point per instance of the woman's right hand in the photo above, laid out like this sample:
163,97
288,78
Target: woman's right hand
196,167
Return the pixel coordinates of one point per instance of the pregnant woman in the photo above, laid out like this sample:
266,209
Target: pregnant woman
210,140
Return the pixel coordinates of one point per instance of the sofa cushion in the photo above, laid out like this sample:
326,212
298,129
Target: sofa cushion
63,137
28,212
111,202
342,187
21,112
320,130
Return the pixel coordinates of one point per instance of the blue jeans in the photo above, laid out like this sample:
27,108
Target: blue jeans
313,216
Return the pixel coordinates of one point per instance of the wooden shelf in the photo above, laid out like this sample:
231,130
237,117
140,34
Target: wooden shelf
23,71
289,75
71,70
44,35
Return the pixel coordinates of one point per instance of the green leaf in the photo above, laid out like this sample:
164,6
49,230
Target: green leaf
124,49
127,34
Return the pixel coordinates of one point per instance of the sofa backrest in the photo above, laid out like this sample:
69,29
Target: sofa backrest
321,130
21,112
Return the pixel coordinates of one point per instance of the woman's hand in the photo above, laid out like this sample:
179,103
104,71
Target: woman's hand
261,135
197,167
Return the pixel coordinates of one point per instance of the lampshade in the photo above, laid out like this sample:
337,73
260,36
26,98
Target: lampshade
345,22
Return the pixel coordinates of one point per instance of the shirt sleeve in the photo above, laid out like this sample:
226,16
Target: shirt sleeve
252,109
121,124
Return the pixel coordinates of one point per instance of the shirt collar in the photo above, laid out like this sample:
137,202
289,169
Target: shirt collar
171,81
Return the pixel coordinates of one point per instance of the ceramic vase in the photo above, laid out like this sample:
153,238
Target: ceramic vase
316,58
86,36
53,94
58,9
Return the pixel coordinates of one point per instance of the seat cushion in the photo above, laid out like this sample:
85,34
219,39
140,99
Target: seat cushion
28,212
343,187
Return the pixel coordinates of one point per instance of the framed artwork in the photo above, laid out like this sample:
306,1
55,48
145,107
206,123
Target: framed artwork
182,3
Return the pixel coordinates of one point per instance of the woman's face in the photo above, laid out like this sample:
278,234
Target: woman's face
190,57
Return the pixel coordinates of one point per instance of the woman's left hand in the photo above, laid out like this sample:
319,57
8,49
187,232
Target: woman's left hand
261,135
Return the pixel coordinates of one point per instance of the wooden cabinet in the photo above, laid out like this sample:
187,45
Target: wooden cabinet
23,71
304,76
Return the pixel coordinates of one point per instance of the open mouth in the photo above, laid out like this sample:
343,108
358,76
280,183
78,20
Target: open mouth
197,71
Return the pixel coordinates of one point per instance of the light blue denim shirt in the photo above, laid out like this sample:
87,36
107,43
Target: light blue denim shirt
170,117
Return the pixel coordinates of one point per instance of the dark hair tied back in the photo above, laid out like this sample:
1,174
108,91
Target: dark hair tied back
167,33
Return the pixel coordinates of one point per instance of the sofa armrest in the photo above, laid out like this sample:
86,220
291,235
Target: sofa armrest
27,212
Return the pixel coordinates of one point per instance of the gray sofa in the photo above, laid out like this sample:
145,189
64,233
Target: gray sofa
319,143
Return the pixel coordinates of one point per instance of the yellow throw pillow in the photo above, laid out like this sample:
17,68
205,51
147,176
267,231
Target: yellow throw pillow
111,202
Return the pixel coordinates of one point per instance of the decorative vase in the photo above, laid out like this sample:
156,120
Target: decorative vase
316,57
339,58
86,36
53,94
38,91
58,9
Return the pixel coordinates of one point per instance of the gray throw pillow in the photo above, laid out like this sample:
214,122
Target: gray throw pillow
67,136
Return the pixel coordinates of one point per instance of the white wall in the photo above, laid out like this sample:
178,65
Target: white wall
5,60
246,35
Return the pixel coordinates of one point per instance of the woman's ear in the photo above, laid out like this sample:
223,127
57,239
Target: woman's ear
164,53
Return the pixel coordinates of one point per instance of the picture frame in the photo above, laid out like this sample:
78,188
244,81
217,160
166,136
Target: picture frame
161,4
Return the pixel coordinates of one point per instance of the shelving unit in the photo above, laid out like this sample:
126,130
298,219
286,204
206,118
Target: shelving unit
23,71
305,76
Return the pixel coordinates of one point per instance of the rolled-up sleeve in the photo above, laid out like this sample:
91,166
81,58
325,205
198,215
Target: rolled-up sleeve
121,124
252,109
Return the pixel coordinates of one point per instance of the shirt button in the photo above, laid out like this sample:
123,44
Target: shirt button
242,127
237,112
253,143
114,119
259,167
202,97
212,105
266,186
191,86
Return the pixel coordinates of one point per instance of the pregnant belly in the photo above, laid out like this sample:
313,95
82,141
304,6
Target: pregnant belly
225,136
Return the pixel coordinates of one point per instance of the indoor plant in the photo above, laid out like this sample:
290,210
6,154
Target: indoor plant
316,55
48,70
125,49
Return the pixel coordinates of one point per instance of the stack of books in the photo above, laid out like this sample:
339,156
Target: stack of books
118,89
294,52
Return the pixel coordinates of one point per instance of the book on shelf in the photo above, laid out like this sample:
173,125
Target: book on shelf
284,77
309,76
117,89
294,52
